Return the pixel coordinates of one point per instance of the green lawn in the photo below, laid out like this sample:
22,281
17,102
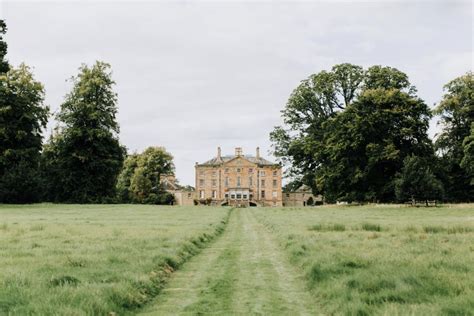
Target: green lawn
95,259
384,260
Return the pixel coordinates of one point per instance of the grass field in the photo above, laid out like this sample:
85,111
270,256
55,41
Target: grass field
329,260
78,259
382,260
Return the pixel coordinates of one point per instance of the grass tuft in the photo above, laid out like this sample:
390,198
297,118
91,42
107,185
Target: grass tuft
65,280
434,229
371,227
328,228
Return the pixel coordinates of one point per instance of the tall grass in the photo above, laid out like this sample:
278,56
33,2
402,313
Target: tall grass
95,259
412,261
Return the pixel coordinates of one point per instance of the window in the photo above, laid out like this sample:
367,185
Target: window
189,195
226,195
201,182
226,170
275,173
250,181
214,194
214,173
239,196
287,195
275,183
238,181
232,196
214,183
250,170
262,173
226,181
262,182
274,194
244,196
201,194
238,170
262,194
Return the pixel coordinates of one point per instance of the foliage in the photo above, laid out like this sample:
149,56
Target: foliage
140,179
416,181
125,178
23,116
457,115
468,160
84,157
4,66
347,131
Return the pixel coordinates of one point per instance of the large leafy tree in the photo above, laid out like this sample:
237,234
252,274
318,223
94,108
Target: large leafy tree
145,182
84,156
457,115
358,140
23,116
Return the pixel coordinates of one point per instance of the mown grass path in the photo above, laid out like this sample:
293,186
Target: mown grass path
243,272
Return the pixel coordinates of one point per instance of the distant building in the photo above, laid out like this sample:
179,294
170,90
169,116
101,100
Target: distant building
239,180
303,196
183,196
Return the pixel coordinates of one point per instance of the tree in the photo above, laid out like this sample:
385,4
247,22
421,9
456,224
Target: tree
348,132
4,66
416,181
23,116
84,156
457,115
145,183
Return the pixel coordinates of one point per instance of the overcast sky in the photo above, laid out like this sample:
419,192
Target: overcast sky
192,76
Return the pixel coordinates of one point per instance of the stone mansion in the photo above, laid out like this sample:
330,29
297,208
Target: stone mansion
239,180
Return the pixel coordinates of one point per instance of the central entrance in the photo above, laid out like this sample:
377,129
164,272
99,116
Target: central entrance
239,197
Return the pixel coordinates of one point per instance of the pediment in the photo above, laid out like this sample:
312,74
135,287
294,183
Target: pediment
238,162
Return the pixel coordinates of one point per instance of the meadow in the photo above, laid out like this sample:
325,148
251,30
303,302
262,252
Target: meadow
159,260
95,259
383,260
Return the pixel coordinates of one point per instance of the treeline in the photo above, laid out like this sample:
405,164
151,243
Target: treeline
355,134
83,158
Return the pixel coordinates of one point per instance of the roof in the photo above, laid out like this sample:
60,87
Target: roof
218,161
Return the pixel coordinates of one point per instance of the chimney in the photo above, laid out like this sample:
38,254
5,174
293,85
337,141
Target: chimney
258,153
238,151
218,153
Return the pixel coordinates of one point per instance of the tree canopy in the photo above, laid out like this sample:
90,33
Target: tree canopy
84,157
23,116
457,116
348,131
141,177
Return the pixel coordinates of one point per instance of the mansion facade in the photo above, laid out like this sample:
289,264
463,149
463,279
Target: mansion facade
239,180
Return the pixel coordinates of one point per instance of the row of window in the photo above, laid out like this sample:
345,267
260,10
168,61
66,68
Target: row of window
238,184
239,170
236,196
